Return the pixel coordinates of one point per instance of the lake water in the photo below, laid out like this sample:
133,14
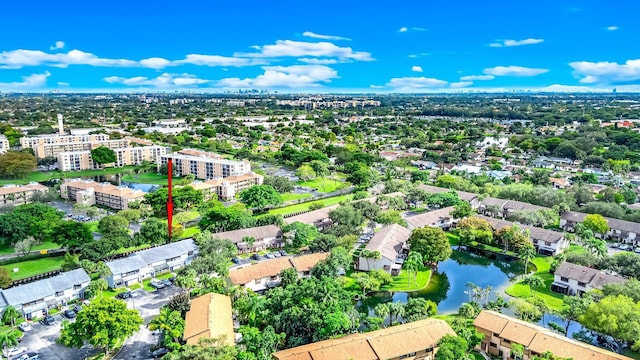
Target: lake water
448,287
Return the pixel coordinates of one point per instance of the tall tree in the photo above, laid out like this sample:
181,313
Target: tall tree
71,235
260,196
103,155
596,223
9,338
101,323
171,323
618,317
451,348
16,164
526,254
432,243
413,264
10,315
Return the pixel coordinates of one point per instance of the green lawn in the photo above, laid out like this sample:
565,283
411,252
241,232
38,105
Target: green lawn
38,176
190,216
305,206
553,300
190,232
147,178
454,240
323,185
34,267
93,226
292,197
47,245
400,282
133,248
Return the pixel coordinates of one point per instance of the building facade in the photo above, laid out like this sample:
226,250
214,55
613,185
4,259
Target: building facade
226,189
574,279
89,192
4,144
20,194
37,143
127,156
204,165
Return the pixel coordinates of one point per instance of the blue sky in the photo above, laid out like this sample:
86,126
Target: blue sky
320,46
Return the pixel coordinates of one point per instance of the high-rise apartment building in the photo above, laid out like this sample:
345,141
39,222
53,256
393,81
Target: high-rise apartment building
205,165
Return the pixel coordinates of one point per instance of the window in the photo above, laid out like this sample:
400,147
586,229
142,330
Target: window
506,341
562,278
496,334
59,293
77,287
581,284
258,281
492,344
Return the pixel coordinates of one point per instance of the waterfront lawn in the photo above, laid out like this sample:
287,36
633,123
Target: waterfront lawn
34,267
292,197
553,300
401,283
454,239
305,206
147,178
323,185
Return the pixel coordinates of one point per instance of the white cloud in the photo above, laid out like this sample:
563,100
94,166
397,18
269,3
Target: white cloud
477,77
415,83
416,68
165,80
413,56
296,76
58,45
216,60
606,72
414,28
509,43
519,71
16,59
63,83
33,81
324,37
460,84
155,63
612,28
315,61
290,48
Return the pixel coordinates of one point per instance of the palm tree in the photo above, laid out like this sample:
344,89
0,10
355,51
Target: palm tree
534,282
413,264
595,246
517,351
10,315
97,287
382,310
8,338
527,254
396,310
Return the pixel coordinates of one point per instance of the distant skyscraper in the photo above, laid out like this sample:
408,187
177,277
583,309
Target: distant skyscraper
60,125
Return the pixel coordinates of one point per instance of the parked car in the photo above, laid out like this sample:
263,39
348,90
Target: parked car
48,320
276,254
160,352
124,295
157,284
624,247
256,257
166,282
270,256
76,307
28,356
283,253
13,351
69,314
637,250
25,326
235,260
614,245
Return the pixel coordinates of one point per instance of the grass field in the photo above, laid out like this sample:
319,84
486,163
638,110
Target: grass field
47,245
401,283
34,267
292,197
553,300
190,232
146,178
323,185
305,206
38,176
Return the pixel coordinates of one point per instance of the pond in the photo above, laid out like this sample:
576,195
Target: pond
448,287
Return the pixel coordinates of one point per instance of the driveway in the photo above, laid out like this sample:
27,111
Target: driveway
42,339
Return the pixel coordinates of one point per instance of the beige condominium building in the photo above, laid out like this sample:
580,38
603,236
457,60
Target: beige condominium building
227,188
4,144
20,194
89,192
52,150
205,165
81,160
44,144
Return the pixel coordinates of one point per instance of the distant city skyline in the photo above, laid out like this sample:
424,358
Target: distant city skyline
328,46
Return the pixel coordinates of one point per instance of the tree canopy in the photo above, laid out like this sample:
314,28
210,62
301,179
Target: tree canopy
260,196
432,243
103,155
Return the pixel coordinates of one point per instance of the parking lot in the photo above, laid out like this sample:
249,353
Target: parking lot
42,339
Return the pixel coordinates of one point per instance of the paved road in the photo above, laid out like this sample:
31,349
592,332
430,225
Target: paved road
149,304
42,339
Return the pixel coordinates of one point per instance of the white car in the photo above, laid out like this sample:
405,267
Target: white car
25,326
15,351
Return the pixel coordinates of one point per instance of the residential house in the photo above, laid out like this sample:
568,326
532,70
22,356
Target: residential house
389,242
502,331
499,174
500,208
471,198
424,165
414,340
254,239
90,192
560,183
619,230
437,218
209,317
147,263
319,218
574,279
36,298
547,242
266,273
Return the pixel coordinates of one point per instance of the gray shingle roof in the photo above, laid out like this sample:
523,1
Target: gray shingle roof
46,287
258,233
389,241
127,264
535,233
596,278
168,251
